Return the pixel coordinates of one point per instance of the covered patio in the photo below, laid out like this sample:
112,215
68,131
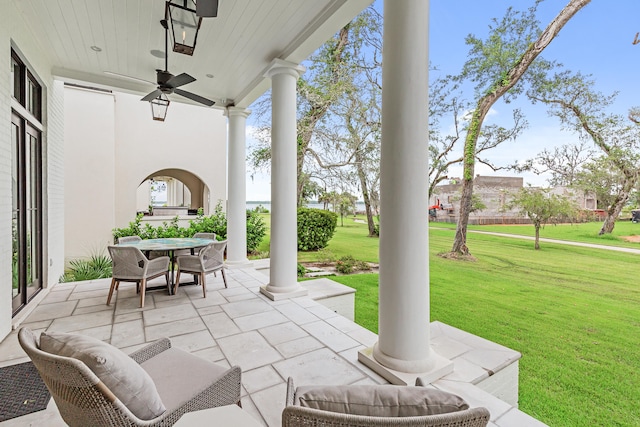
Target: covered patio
269,340
269,324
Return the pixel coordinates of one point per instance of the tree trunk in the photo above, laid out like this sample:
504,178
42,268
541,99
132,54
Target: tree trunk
537,243
616,207
365,194
460,240
301,178
469,163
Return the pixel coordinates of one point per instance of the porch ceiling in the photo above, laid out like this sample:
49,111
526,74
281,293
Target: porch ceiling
236,47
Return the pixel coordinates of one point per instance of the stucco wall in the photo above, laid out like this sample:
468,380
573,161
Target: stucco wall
191,138
113,145
90,171
14,32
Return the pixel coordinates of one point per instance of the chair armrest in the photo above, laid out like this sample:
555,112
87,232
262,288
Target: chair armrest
291,390
151,350
160,263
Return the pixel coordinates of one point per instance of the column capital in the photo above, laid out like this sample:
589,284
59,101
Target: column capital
280,66
237,111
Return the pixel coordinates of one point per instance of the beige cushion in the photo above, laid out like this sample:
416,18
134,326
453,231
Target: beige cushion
121,374
379,401
188,376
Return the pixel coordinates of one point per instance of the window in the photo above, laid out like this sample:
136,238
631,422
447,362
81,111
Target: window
33,97
17,73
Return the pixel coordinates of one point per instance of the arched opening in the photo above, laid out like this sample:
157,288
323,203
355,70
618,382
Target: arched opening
170,192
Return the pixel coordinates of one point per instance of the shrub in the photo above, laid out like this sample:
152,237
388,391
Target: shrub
256,230
98,266
301,270
315,228
326,257
132,230
345,264
361,266
214,223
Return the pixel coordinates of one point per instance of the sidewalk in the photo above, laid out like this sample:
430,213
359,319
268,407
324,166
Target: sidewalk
561,242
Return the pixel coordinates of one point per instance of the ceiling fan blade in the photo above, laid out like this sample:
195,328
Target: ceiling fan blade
180,80
152,95
194,97
207,8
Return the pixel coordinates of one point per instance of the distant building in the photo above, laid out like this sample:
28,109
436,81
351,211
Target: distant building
495,192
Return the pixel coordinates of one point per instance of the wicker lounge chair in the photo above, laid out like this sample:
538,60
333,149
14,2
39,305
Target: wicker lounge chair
184,382
335,413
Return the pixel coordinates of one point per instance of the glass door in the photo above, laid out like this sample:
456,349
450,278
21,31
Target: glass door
26,212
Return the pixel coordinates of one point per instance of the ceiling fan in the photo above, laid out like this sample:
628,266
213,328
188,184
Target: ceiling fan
168,83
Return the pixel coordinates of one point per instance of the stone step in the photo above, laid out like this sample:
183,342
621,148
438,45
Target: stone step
319,273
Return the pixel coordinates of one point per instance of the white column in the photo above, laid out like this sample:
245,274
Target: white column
403,350
283,277
237,177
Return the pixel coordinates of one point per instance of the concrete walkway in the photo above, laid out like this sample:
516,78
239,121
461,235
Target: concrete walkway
560,242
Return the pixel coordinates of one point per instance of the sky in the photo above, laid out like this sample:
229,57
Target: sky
598,41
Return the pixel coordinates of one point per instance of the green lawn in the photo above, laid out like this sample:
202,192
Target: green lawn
573,313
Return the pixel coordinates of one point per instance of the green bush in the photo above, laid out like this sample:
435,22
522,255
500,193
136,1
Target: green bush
214,223
256,230
315,228
301,270
345,264
325,256
98,266
362,266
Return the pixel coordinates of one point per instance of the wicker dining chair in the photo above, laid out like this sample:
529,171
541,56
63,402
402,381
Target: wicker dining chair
130,265
196,251
184,383
210,259
360,406
127,239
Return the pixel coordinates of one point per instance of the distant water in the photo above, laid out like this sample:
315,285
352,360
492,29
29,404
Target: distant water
252,204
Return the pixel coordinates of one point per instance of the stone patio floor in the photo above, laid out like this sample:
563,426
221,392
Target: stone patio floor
269,340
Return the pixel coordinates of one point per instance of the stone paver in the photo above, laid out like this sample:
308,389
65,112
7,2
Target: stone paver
248,350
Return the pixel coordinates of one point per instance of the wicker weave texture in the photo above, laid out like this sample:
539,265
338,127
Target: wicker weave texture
130,265
83,400
209,259
297,416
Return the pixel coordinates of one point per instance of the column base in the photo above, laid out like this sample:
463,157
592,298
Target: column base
277,293
243,263
439,369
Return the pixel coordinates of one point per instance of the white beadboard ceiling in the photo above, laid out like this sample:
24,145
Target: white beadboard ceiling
236,47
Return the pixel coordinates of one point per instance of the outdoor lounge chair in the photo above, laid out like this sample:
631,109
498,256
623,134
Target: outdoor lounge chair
210,259
130,265
377,406
183,382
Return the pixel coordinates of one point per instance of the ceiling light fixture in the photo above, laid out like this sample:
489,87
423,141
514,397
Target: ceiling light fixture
159,107
96,48
184,25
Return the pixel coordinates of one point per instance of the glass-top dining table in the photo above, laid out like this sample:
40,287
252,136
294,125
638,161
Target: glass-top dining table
169,245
